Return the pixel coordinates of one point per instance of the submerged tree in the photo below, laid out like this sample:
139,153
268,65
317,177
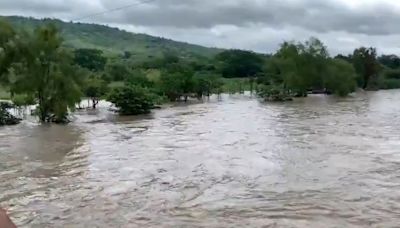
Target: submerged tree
299,68
45,71
340,78
240,64
131,100
367,66
95,89
205,85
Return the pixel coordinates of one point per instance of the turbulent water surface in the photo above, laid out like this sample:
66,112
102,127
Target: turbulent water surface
235,162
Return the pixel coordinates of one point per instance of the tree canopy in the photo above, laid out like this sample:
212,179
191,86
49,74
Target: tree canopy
239,63
91,59
46,72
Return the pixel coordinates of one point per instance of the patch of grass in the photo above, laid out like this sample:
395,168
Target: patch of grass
153,75
235,85
113,85
390,83
4,94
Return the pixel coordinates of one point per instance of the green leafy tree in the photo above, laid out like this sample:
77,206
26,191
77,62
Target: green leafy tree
45,71
9,48
139,78
131,100
390,61
91,59
205,85
367,67
117,71
239,63
390,79
340,78
299,66
177,85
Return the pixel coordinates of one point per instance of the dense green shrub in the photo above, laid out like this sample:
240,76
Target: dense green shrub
132,100
390,83
340,78
273,93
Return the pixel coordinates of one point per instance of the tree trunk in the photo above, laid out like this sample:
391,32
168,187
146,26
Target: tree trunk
95,102
366,81
42,110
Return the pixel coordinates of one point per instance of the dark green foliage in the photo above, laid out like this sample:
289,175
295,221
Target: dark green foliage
390,61
91,59
391,74
177,85
390,79
21,100
132,100
340,78
348,58
117,71
390,84
127,55
42,69
238,63
273,93
9,49
138,78
205,85
300,67
367,67
297,69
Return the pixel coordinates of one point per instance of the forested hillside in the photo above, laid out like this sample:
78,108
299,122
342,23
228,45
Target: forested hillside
114,40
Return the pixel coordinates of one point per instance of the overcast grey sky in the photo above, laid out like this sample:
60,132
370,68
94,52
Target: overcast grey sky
259,25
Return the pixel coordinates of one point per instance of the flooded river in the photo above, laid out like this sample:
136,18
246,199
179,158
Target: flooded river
235,162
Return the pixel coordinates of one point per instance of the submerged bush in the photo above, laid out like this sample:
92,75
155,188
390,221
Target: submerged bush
132,100
5,117
273,93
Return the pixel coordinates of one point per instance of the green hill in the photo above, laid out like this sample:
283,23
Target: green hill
115,41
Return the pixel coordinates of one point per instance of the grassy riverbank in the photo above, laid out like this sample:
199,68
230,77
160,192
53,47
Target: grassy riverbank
4,94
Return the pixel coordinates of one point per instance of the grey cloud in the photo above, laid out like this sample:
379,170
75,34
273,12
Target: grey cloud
41,6
315,15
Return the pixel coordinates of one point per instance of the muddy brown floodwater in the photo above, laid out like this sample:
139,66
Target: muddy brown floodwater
315,162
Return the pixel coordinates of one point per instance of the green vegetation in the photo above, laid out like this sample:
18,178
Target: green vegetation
4,94
95,89
39,67
300,68
52,69
367,66
131,100
91,59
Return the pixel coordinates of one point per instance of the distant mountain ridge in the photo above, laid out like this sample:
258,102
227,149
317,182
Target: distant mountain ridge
114,40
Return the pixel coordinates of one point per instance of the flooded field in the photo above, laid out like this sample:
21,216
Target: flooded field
234,162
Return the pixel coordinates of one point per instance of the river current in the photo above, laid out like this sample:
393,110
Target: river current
231,162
